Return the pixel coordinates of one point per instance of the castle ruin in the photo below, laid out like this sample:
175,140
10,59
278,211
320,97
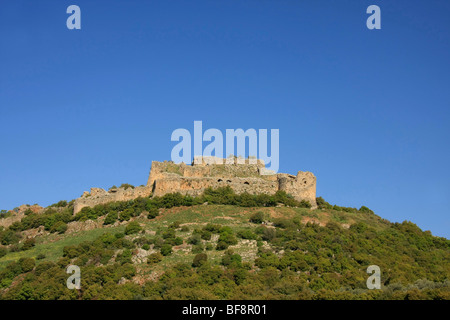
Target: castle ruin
242,175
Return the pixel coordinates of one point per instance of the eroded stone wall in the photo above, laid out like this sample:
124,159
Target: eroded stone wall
101,196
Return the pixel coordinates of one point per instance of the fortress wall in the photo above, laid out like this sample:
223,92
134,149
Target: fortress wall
196,186
168,177
302,186
100,196
160,170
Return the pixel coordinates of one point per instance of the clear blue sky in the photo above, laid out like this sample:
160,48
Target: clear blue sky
366,110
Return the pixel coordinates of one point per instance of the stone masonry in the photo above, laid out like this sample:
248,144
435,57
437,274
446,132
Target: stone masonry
242,175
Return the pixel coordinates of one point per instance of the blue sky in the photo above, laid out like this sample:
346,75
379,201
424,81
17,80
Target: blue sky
366,110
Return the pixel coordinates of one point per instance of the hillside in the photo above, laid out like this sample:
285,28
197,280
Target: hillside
217,246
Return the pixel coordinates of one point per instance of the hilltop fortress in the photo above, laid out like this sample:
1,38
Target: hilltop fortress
242,175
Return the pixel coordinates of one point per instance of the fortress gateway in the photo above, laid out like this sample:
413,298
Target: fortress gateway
242,175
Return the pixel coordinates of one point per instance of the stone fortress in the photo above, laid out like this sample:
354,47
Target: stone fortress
242,175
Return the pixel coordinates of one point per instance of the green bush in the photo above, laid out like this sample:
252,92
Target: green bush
166,249
3,251
366,210
153,212
199,260
59,227
40,256
195,239
322,204
60,204
305,204
231,259
257,217
124,257
154,258
247,234
132,227
198,248
26,264
221,245
111,218
28,244
126,214
8,237
126,186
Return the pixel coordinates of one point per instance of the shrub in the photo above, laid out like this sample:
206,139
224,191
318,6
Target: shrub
213,228
154,258
195,239
221,245
283,223
40,256
126,186
59,227
3,251
169,233
111,218
9,237
305,204
124,257
231,259
268,234
205,235
27,264
126,214
228,238
366,210
153,212
199,260
146,246
166,249
132,227
28,244
322,204
62,203
175,225
198,248
247,234
257,217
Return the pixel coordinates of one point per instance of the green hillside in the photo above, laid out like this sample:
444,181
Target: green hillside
219,246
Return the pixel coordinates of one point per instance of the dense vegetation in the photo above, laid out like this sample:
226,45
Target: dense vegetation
185,260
